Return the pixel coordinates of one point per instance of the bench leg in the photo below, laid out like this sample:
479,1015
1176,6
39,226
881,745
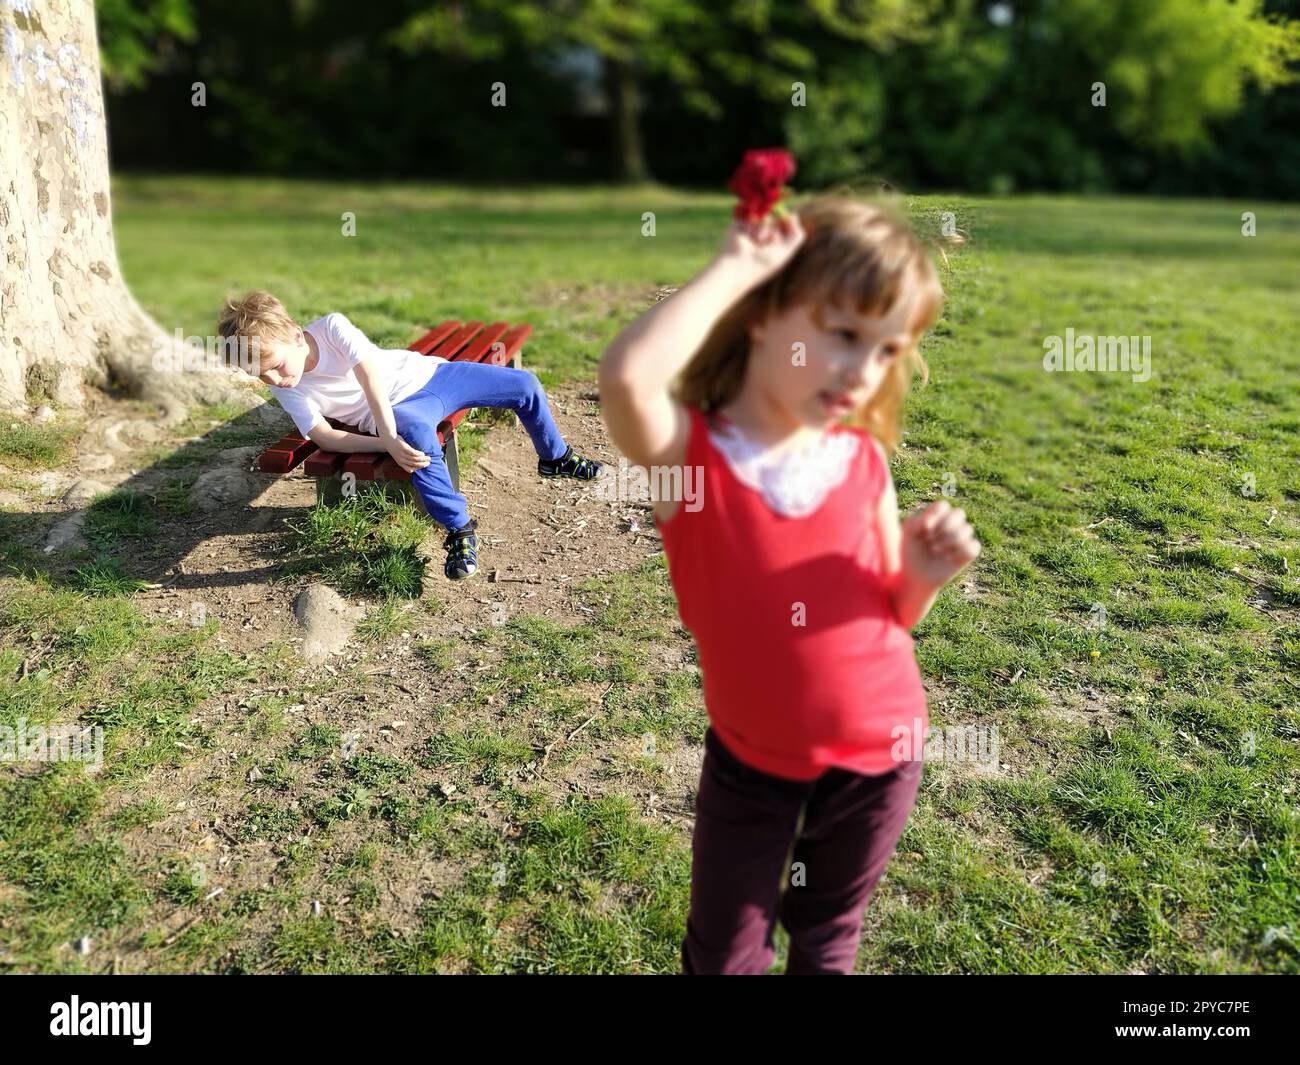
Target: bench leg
329,490
451,456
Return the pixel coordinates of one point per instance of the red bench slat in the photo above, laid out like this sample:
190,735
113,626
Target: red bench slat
481,347
364,464
285,454
388,470
324,463
512,342
435,336
450,348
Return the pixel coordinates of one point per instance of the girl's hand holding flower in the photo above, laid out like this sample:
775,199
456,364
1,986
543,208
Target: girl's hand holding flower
758,250
764,236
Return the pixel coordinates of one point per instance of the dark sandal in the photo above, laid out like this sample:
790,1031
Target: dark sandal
462,554
569,465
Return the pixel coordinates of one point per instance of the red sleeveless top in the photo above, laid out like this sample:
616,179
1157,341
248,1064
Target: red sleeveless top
804,664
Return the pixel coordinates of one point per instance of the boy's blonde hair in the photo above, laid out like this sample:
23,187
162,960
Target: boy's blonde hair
257,315
856,255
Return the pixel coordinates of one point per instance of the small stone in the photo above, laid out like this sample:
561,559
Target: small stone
329,621
83,491
224,487
95,463
237,457
51,483
67,533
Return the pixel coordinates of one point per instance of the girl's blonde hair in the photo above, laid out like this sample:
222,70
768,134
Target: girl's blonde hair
855,254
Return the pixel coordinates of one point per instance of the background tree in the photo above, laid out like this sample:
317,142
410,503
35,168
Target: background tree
67,319
688,50
1000,96
137,37
972,94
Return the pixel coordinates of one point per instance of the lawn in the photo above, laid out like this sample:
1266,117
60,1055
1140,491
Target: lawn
1131,631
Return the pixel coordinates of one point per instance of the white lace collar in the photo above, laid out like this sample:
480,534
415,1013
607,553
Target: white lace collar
793,481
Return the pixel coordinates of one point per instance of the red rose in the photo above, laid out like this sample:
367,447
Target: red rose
758,181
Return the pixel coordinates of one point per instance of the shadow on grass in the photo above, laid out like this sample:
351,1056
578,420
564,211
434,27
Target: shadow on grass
142,530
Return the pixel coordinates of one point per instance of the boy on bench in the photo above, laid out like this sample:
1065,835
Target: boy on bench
329,369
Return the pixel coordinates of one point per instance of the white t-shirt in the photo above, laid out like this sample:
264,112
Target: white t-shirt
331,390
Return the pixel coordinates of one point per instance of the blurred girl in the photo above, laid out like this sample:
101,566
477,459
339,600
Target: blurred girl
778,374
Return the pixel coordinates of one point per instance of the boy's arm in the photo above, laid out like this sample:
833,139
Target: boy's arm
327,438
371,379
638,367
361,354
306,411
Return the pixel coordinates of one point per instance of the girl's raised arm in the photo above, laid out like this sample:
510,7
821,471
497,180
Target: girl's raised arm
643,420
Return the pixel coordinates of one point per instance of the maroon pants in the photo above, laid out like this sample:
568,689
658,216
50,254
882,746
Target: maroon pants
806,852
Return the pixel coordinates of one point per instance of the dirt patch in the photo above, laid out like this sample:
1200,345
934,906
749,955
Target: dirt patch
538,538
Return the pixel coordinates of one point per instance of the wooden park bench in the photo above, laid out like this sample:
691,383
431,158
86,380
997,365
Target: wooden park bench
497,344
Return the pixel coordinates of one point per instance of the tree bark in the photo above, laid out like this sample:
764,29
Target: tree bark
629,157
68,322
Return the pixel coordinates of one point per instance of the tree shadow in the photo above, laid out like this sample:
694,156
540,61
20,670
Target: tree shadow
146,526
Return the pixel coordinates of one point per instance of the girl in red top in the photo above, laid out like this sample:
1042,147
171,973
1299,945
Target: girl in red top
772,382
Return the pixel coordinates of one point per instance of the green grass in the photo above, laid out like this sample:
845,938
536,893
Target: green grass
368,544
32,446
1147,818
103,577
100,663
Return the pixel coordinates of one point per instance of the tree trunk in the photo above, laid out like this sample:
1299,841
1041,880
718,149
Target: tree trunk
629,159
67,320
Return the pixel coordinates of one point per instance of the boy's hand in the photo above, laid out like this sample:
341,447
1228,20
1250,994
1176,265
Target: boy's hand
757,250
409,458
938,543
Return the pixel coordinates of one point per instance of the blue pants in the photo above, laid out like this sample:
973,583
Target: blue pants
455,386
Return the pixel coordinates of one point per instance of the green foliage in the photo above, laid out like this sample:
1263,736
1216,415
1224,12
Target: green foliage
135,36
122,514
999,107
934,93
104,576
